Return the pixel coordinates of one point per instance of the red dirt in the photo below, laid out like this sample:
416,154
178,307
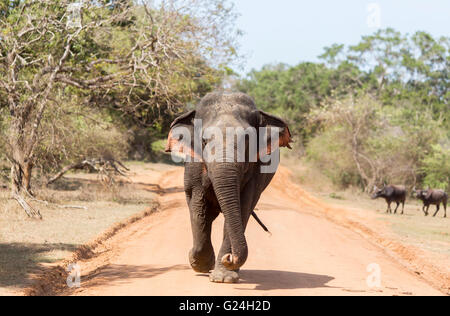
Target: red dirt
315,249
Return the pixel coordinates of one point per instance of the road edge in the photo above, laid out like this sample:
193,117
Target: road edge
52,280
410,257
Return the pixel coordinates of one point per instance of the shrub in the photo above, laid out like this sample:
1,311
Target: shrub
436,168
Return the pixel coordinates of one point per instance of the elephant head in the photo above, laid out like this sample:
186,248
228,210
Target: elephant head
214,118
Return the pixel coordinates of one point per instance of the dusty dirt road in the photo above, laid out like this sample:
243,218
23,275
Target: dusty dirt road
306,254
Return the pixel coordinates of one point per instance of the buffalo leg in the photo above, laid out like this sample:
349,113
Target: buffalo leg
398,205
438,207
389,210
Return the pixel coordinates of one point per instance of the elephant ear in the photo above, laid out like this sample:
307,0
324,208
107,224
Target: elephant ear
181,135
270,121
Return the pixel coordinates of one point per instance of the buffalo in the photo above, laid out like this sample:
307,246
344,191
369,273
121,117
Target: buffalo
432,197
391,193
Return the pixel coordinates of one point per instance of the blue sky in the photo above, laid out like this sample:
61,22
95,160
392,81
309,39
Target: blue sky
292,31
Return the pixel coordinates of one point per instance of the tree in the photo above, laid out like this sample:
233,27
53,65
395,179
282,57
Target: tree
358,118
436,168
385,101
71,132
292,92
383,143
129,57
381,53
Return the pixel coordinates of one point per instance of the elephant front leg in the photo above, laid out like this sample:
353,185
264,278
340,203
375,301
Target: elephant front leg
221,274
201,256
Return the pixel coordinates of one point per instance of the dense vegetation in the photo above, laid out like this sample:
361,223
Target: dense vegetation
370,113
102,80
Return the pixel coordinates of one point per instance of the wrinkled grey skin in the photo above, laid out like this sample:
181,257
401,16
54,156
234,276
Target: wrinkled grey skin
231,188
432,197
392,194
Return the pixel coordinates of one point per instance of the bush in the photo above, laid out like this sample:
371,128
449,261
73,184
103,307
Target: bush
364,143
333,157
436,168
71,133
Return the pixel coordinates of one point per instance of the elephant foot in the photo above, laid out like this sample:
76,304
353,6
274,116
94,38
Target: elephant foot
201,265
223,275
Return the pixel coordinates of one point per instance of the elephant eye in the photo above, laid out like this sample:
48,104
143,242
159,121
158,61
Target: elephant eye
253,119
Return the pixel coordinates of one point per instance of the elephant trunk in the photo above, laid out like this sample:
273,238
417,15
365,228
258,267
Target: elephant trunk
225,180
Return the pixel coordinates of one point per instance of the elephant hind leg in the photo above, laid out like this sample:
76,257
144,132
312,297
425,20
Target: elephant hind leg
201,262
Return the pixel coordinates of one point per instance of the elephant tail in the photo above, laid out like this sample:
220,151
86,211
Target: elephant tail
261,223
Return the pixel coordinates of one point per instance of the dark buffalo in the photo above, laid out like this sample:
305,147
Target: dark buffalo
432,197
391,193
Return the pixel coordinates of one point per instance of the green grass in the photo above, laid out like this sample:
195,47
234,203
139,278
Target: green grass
159,145
336,196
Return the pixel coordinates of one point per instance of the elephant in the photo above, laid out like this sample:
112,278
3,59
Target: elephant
231,187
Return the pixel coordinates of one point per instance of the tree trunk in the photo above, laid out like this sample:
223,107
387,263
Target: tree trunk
21,170
21,153
21,177
20,187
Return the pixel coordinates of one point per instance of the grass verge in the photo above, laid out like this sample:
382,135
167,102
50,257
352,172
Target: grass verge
28,247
